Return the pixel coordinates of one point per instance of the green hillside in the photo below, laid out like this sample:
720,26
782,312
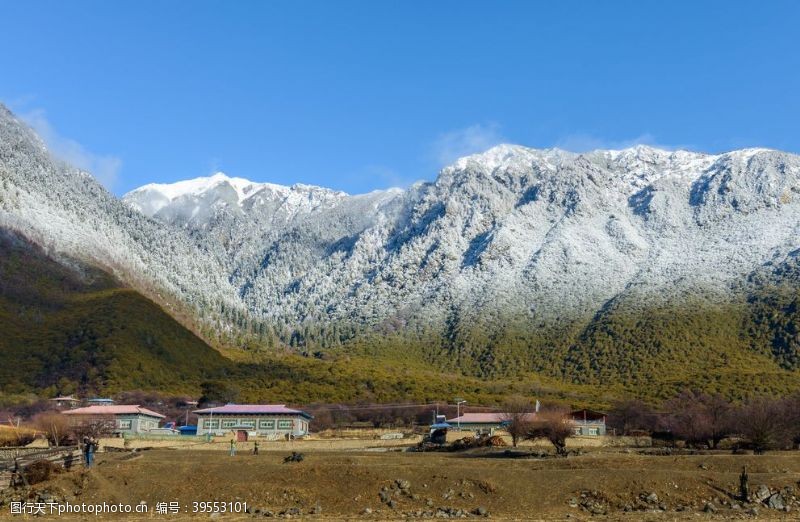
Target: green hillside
68,327
71,328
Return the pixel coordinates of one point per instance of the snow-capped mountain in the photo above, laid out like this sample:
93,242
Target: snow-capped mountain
66,211
513,245
194,203
540,232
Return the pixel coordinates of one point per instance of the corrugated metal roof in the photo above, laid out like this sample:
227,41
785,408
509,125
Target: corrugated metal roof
253,409
120,409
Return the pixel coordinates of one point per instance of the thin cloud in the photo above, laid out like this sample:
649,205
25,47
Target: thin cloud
104,167
388,176
458,143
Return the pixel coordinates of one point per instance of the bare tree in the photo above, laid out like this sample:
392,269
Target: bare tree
631,415
54,425
699,418
94,426
791,407
517,417
554,425
763,423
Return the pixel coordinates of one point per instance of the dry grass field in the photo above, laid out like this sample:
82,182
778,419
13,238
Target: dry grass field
388,485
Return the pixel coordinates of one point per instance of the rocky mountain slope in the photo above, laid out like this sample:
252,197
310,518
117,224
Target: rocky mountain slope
65,210
598,267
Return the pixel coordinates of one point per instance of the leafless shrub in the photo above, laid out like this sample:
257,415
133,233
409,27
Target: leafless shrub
38,471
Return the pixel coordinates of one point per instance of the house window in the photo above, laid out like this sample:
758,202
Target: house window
266,424
124,424
211,424
284,425
593,431
248,424
229,423
577,430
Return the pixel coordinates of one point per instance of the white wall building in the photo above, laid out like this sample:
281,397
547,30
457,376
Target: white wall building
262,420
123,418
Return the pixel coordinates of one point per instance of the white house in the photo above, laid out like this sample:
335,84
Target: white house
123,418
262,420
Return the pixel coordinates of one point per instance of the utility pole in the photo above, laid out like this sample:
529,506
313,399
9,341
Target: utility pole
459,402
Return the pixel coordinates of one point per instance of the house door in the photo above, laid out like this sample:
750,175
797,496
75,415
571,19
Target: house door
241,435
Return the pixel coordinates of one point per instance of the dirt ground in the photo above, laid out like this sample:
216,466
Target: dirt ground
390,485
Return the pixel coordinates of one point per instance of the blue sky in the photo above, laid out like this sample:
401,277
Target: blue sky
365,95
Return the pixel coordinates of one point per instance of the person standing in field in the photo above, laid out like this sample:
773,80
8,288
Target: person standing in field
255,448
233,447
89,447
85,450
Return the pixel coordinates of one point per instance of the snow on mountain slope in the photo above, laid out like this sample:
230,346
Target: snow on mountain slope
190,200
538,238
544,233
66,210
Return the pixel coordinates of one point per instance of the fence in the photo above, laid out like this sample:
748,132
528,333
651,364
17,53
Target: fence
13,460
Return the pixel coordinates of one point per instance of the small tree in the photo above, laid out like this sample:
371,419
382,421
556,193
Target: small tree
553,425
54,425
517,418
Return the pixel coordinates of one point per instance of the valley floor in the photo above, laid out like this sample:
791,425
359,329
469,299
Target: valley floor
606,484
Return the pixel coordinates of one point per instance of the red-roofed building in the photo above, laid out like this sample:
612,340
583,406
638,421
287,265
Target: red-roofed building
263,420
482,422
126,418
589,422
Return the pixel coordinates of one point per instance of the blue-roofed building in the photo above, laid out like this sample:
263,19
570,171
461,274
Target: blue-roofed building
439,428
189,431
99,401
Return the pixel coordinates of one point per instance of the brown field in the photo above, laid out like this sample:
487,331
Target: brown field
342,485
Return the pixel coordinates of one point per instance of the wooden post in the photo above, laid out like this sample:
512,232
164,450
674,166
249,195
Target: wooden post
744,490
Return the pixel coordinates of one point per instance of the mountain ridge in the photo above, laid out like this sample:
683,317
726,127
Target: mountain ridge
514,260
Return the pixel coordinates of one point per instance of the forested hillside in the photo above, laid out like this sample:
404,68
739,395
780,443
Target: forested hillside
68,327
71,328
619,272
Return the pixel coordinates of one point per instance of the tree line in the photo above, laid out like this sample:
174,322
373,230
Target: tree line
704,420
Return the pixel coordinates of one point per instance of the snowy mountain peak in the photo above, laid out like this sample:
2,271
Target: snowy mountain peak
199,186
507,155
514,237
190,196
